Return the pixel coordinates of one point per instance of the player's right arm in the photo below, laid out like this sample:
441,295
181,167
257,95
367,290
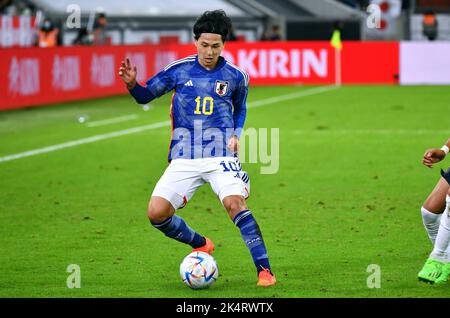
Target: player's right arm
434,155
128,73
158,85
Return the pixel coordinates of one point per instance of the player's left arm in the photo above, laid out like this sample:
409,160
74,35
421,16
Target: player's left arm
239,113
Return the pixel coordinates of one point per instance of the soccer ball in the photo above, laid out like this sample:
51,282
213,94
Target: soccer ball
199,270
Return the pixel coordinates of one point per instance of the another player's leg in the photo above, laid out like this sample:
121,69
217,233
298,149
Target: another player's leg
162,216
437,267
251,234
442,244
445,276
432,209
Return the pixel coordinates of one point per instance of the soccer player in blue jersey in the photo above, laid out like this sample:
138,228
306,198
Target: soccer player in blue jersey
208,112
436,218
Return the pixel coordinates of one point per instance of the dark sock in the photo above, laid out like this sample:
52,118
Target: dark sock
253,239
175,227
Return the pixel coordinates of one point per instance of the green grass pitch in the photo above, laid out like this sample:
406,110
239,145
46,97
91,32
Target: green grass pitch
347,194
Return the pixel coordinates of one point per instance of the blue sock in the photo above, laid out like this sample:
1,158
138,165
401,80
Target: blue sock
253,239
175,227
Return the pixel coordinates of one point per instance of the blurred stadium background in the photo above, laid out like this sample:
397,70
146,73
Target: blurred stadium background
359,89
386,39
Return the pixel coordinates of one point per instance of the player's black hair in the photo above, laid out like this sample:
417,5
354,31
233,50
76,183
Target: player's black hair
215,21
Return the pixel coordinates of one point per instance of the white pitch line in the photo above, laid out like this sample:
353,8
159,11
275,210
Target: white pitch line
85,141
275,99
138,129
111,120
388,132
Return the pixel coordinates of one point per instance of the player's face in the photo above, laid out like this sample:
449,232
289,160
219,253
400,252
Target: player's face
209,46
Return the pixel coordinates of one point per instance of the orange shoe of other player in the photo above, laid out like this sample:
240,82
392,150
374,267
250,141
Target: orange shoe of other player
266,278
207,248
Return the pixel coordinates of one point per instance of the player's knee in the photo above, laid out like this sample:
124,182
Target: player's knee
152,213
435,202
433,206
158,212
234,204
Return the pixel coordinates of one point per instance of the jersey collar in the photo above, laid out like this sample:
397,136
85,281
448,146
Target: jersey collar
220,63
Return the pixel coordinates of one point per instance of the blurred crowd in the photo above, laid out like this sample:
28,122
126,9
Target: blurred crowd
48,34
48,30
272,34
95,35
17,7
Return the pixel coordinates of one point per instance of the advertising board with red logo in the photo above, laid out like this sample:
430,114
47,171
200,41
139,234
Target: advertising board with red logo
39,76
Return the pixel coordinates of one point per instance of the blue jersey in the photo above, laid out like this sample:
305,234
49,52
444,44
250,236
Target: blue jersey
208,106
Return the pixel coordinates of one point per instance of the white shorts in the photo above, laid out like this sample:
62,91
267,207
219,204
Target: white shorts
184,176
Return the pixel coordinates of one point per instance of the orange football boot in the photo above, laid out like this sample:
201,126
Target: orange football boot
266,278
207,248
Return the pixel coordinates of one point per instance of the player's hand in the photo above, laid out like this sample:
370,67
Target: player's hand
233,144
128,73
432,156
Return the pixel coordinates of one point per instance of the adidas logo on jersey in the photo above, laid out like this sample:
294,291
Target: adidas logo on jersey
188,83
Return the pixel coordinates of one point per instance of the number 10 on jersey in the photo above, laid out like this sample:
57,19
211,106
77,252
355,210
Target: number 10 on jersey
207,106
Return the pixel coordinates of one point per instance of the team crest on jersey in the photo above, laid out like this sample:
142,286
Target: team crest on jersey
221,88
